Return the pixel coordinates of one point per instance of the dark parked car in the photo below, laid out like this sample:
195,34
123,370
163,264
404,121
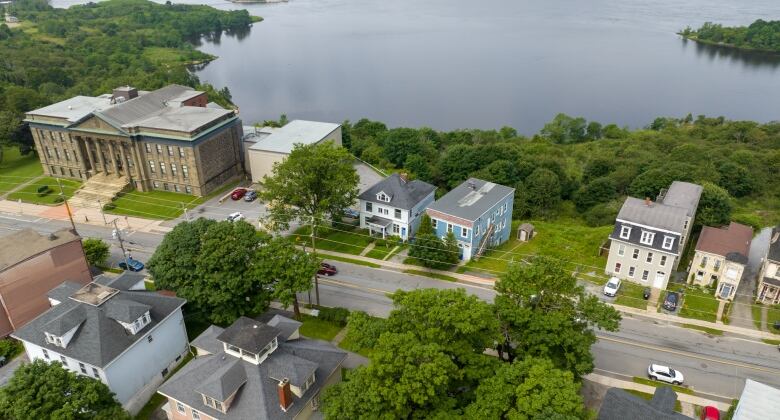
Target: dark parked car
251,195
238,193
131,265
671,301
327,270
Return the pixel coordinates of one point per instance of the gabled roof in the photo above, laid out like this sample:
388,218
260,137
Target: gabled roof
225,381
125,310
294,368
653,214
26,243
99,339
286,325
249,335
258,397
128,280
732,242
403,194
207,340
621,405
471,199
683,194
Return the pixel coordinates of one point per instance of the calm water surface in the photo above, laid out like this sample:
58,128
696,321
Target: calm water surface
460,64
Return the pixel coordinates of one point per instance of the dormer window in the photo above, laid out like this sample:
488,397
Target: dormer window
625,232
309,382
668,242
383,197
647,237
211,402
138,324
53,339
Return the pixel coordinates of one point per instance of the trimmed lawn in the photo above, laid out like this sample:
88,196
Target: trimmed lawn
648,397
16,169
710,331
699,304
431,275
154,204
349,260
676,388
342,240
382,252
347,345
773,315
630,294
568,240
755,309
317,328
29,194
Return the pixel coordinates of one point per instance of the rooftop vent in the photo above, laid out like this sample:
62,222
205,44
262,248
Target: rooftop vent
472,185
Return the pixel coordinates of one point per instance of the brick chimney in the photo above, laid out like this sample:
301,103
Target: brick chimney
124,93
285,395
648,201
404,176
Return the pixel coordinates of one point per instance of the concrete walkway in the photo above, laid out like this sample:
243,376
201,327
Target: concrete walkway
683,398
367,249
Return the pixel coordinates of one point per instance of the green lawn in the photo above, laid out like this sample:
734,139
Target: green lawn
676,388
382,252
314,327
431,275
345,240
755,309
630,294
347,345
16,169
773,314
349,260
568,240
154,204
29,194
645,395
699,304
710,331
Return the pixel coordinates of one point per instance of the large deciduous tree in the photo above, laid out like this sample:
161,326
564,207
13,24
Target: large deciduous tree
290,269
41,390
433,252
173,262
714,206
544,313
542,192
95,250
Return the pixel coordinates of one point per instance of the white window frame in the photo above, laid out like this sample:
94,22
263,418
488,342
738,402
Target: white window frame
83,368
668,242
625,232
645,275
195,414
635,254
621,249
398,214
647,237
449,227
663,261
649,258
631,271
180,407
618,267
64,360
464,233
46,354
435,223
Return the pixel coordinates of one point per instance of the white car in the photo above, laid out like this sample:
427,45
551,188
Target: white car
612,286
665,374
234,217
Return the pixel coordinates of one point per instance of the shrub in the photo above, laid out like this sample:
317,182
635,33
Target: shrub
109,206
59,199
43,189
337,315
10,348
96,251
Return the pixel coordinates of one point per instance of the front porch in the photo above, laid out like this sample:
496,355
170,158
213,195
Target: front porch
380,225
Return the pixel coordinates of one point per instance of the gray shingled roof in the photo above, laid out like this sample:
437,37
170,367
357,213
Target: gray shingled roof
287,326
207,340
249,335
774,245
683,194
125,310
470,203
225,381
66,321
294,368
99,339
125,281
657,215
258,397
142,106
621,405
403,194
26,243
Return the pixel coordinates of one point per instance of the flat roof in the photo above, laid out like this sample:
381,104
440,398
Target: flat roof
74,109
26,243
471,199
282,140
758,401
186,118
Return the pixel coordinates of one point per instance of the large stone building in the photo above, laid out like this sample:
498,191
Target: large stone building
169,139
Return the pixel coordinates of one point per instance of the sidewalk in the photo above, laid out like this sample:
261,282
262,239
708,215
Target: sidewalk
489,283
683,398
82,215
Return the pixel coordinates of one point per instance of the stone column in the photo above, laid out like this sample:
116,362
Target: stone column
90,157
80,154
112,158
125,165
99,154
139,164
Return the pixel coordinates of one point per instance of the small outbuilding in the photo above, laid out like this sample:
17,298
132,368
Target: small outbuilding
526,232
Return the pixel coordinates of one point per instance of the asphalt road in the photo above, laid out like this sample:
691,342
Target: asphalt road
712,365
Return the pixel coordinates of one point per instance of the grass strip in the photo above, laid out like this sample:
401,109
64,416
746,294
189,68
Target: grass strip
710,331
650,382
431,275
349,260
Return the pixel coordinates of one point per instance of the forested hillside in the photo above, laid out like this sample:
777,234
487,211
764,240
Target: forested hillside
578,169
93,48
759,35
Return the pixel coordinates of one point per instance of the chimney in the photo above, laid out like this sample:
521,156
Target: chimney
125,93
404,177
648,201
472,185
285,395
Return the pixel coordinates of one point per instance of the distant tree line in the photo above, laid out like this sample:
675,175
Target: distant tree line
759,35
576,168
92,48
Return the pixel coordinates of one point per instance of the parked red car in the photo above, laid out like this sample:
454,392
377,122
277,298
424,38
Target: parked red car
327,270
238,193
710,413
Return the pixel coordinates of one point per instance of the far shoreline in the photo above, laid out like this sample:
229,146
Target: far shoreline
726,45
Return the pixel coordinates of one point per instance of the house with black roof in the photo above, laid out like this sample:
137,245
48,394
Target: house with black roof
253,370
769,279
394,206
127,339
619,404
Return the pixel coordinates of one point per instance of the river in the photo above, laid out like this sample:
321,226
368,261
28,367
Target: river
451,64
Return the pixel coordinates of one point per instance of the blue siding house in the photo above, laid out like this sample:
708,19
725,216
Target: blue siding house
477,212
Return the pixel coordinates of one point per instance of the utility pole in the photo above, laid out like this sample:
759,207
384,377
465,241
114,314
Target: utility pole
187,215
67,207
118,234
314,252
100,206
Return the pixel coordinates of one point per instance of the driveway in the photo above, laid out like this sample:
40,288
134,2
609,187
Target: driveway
368,176
218,208
7,371
741,315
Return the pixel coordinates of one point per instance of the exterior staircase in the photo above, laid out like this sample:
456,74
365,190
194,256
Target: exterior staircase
98,190
485,239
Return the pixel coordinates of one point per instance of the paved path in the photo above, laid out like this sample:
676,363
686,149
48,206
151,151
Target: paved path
20,186
7,371
367,249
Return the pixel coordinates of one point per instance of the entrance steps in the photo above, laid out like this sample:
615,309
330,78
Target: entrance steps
98,190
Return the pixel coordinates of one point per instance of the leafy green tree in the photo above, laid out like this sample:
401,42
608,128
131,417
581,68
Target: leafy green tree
426,226
650,182
714,206
544,313
529,389
600,190
501,172
736,179
96,251
433,252
173,262
420,167
316,181
291,270
40,390
597,168
543,192
364,330
565,129
399,143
